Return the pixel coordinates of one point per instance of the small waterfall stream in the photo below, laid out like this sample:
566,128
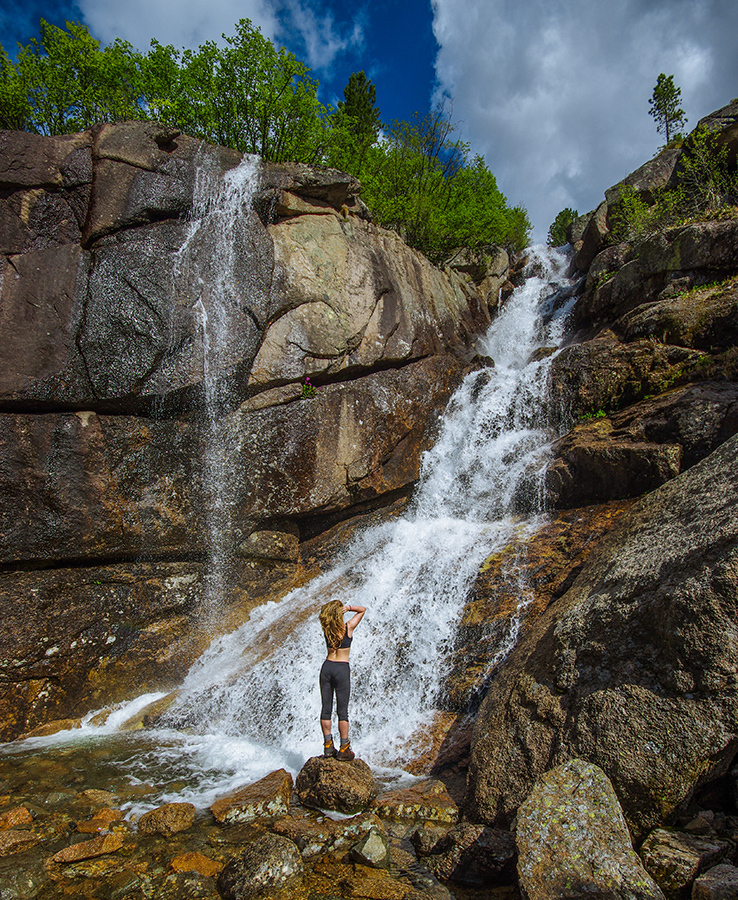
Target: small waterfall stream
250,704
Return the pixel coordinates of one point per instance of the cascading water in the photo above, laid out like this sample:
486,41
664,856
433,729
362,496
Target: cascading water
254,693
211,271
250,704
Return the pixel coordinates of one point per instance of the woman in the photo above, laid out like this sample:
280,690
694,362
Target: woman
335,674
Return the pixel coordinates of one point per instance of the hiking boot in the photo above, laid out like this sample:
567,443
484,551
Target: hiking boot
328,749
345,752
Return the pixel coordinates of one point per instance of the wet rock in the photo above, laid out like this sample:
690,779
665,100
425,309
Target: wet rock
573,841
15,818
427,800
674,859
271,544
13,841
167,819
548,562
718,883
372,850
98,797
657,586
267,861
468,854
317,837
266,798
101,821
346,787
99,846
194,861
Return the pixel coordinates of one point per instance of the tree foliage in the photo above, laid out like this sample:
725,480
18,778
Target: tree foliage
423,184
665,108
354,126
557,229
254,97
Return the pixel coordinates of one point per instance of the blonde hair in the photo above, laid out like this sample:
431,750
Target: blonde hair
331,620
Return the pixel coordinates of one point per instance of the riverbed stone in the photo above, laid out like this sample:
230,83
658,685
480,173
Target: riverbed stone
15,818
573,841
194,861
315,837
468,854
102,821
675,859
167,819
265,862
99,846
372,850
14,841
426,800
718,883
340,785
266,798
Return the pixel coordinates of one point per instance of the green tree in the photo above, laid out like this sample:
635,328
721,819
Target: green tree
421,183
665,107
355,125
15,110
248,95
65,82
557,230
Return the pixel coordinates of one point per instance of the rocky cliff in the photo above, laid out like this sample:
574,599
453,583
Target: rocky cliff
126,443
628,657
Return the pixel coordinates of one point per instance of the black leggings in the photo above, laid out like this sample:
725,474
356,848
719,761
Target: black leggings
335,677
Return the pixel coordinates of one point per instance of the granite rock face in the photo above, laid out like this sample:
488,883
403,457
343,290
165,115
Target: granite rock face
128,255
573,841
642,644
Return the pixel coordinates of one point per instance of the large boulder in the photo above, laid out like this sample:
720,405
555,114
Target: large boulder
573,841
265,862
346,787
643,644
641,447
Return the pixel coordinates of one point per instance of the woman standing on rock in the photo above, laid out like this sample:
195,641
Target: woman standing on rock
335,674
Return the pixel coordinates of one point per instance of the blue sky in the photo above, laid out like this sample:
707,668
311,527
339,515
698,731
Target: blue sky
553,93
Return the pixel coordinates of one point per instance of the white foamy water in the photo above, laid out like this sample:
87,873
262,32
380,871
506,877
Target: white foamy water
251,703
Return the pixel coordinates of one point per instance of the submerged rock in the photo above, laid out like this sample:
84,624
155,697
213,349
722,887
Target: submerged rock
167,819
573,841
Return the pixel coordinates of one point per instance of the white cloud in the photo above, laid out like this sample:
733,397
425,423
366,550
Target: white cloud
318,34
555,93
312,35
183,23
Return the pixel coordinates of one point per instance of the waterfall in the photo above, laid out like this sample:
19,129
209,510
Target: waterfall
212,271
253,696
251,703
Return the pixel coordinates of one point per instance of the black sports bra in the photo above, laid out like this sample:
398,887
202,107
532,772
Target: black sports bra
345,642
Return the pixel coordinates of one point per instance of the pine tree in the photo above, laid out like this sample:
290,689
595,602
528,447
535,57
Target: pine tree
665,107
